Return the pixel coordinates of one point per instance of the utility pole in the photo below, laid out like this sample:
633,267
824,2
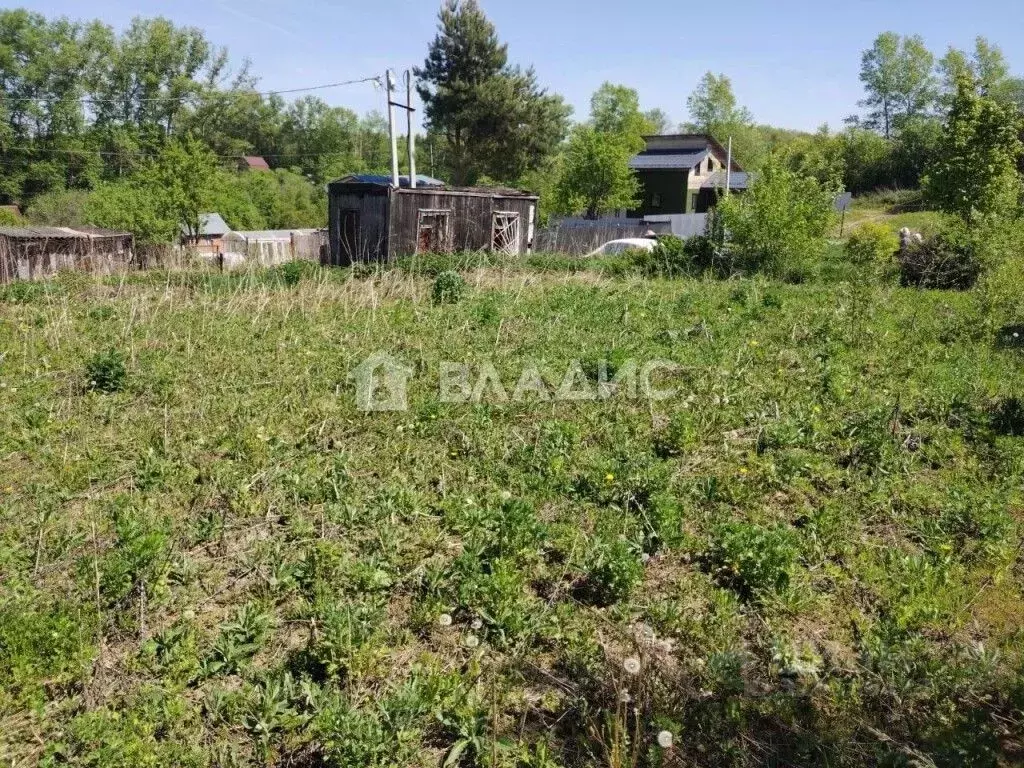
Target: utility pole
396,180
389,78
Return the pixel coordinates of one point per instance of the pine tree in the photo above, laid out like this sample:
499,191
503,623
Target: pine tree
494,118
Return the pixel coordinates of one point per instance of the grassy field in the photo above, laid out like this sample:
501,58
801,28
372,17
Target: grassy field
809,555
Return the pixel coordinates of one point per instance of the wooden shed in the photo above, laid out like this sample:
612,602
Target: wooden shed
370,220
28,253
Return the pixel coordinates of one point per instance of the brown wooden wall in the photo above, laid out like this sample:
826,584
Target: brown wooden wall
471,217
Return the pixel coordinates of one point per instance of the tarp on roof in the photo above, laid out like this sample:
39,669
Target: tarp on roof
663,161
739,180
385,181
256,163
210,225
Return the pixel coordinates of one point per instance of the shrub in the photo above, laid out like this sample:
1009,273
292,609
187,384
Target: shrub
753,559
871,245
950,260
614,568
105,371
449,288
779,225
293,272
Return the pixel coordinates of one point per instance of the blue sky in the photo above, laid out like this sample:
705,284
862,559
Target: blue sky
794,63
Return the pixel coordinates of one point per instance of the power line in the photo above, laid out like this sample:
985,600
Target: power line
87,100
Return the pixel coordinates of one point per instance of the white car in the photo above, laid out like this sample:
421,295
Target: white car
615,247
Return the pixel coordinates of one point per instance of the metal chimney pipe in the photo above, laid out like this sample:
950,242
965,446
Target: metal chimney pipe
390,78
412,136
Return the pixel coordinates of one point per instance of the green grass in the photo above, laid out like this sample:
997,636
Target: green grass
812,550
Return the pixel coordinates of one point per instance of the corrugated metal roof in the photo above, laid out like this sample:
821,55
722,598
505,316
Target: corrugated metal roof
739,180
658,161
210,225
256,163
37,232
385,181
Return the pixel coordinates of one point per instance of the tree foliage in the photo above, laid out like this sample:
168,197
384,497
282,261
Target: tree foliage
899,80
976,175
779,225
714,110
595,176
494,117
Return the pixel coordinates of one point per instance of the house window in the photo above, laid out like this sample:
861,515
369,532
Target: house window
711,164
433,231
696,170
505,232
656,200
693,202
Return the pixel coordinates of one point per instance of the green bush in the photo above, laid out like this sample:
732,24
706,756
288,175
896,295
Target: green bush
294,272
614,568
449,288
753,559
779,225
871,245
106,372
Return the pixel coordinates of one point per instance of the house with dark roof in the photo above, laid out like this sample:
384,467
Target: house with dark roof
683,173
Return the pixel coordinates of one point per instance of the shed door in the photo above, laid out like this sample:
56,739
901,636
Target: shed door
348,236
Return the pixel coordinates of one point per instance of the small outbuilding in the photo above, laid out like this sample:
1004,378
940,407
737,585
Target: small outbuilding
212,229
372,220
30,253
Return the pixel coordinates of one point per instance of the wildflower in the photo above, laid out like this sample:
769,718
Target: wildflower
609,478
472,641
506,495
665,739
624,697
445,619
477,624
753,342
632,665
744,471
816,409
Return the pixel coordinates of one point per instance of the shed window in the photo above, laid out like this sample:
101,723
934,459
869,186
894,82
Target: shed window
505,232
711,164
655,200
433,231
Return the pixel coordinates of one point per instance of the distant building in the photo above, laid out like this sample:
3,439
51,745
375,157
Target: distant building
212,229
682,174
370,220
253,163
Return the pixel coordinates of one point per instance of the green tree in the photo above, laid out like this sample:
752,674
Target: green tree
616,109
899,80
494,118
595,177
779,225
714,110
975,175
986,65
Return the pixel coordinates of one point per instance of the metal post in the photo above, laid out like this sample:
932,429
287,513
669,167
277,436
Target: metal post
412,136
390,78
728,170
